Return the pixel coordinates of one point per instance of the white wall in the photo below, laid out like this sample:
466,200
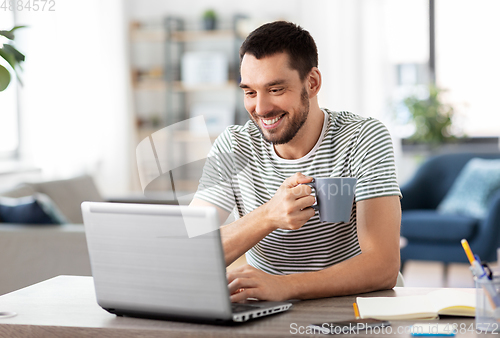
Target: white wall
75,104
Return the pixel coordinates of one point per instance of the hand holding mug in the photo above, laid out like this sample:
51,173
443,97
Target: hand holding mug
289,207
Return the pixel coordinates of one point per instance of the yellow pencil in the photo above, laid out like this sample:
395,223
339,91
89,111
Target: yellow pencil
468,251
356,310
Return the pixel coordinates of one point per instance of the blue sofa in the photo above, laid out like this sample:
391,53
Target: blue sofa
434,236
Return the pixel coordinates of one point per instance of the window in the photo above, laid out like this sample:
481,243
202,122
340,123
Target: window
9,123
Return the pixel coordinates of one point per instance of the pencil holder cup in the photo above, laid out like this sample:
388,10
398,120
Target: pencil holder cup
487,316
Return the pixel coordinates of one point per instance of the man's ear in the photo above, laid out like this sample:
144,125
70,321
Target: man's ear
313,82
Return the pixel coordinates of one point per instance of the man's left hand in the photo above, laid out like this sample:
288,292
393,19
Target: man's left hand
249,282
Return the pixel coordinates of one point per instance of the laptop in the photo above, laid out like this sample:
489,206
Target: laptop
145,265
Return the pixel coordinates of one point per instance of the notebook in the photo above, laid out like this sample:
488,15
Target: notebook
449,302
145,265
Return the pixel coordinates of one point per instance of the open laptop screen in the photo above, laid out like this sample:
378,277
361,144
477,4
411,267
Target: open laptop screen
143,260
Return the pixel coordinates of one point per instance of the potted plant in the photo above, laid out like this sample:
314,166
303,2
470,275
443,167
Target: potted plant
433,121
432,117
13,57
209,19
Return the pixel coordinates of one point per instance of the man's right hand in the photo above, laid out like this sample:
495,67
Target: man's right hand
290,208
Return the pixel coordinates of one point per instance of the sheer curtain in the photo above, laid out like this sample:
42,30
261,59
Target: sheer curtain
360,44
75,109
353,53
354,57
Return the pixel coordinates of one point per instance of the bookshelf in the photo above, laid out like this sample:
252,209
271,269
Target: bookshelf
162,96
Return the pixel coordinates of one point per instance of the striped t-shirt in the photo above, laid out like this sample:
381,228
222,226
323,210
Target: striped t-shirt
243,172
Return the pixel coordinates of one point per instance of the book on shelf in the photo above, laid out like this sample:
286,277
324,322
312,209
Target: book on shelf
450,302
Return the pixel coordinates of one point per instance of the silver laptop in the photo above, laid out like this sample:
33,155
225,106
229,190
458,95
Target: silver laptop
145,265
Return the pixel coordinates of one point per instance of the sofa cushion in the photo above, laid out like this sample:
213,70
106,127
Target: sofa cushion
20,190
473,188
35,209
429,225
34,253
69,194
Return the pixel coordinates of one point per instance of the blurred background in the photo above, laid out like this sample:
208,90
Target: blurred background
100,76
97,77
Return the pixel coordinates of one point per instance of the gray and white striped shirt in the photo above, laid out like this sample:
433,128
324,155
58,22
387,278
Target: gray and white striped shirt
244,172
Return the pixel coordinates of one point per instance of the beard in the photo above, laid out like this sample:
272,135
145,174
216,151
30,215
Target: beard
294,124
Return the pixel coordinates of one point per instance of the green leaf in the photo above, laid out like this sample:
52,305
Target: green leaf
17,54
7,34
4,78
431,116
17,27
13,58
12,62
10,34
8,57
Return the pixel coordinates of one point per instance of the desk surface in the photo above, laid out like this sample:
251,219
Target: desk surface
66,306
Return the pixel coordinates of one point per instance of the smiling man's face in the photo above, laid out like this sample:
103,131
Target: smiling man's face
275,97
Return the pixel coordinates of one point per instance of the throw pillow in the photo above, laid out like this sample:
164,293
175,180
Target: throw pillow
471,191
35,209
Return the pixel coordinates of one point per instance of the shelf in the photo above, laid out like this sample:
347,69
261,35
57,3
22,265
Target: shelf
185,36
172,100
150,84
180,87
159,35
160,84
147,35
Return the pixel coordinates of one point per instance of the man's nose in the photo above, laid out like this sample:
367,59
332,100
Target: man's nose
263,106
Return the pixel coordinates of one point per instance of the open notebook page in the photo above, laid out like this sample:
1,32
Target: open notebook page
454,302
396,307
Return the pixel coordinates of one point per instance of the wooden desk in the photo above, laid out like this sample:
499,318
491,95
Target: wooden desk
65,306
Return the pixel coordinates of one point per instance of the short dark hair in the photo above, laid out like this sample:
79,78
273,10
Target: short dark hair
282,36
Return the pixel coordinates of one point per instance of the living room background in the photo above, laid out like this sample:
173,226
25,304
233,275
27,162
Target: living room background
76,108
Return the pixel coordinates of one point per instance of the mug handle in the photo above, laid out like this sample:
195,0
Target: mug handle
313,185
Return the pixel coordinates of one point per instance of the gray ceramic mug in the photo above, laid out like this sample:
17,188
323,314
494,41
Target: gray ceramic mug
334,198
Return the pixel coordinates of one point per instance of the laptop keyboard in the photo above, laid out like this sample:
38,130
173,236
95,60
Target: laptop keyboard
236,307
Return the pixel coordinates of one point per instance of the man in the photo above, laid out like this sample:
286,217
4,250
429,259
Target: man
289,139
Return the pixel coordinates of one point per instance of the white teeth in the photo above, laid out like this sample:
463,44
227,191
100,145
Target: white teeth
269,122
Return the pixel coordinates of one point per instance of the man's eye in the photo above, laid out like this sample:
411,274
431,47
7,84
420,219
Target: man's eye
276,90
249,93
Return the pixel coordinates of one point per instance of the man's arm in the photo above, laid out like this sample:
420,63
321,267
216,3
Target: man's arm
290,208
239,236
223,214
376,268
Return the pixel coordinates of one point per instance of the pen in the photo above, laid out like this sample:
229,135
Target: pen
481,275
356,310
485,267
